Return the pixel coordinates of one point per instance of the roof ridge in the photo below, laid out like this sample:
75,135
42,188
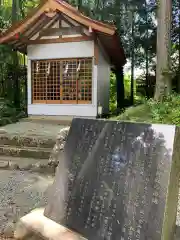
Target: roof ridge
76,11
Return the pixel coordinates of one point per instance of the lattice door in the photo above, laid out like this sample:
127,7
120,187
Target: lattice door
85,81
62,81
38,69
77,81
69,81
54,81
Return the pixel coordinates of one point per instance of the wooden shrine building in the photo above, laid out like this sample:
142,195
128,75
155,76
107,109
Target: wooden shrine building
69,59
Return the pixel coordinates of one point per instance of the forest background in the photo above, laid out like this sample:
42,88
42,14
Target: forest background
136,21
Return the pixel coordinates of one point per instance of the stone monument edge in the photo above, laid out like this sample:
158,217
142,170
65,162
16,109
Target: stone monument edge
169,223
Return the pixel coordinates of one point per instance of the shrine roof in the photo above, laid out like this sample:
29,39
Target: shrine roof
19,34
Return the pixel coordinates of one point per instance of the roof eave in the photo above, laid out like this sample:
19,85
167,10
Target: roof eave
53,5
12,31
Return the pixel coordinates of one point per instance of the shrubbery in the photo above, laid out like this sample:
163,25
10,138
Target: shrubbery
167,112
8,114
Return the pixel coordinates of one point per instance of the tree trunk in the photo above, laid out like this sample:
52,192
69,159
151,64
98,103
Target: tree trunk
132,60
163,78
15,11
146,52
16,81
178,83
80,5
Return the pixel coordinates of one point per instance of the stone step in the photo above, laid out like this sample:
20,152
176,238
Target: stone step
20,161
25,152
28,141
26,164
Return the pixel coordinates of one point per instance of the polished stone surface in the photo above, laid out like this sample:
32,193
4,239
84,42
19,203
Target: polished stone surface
117,180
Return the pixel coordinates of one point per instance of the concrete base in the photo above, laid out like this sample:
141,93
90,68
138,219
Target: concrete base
36,225
60,120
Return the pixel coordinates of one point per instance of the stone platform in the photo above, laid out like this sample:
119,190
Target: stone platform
60,120
28,139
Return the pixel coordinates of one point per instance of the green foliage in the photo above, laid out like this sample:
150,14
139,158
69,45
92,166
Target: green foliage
120,13
127,86
8,113
13,76
138,98
166,112
113,96
6,108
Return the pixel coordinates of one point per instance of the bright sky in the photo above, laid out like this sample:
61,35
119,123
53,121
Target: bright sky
137,71
127,69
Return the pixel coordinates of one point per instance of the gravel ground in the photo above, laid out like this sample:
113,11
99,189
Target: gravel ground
20,192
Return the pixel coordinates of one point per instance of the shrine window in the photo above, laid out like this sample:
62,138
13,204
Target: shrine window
62,81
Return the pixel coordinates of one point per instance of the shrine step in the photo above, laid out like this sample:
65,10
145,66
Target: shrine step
26,141
9,162
25,152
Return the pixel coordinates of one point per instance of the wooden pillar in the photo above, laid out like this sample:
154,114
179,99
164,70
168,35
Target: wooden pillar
120,88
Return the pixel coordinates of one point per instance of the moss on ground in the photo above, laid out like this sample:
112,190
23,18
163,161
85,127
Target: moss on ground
139,113
165,112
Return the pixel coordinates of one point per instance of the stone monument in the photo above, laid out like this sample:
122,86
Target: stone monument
117,180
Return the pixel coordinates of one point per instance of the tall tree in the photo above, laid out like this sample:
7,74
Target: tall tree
132,56
146,47
179,48
15,16
163,78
